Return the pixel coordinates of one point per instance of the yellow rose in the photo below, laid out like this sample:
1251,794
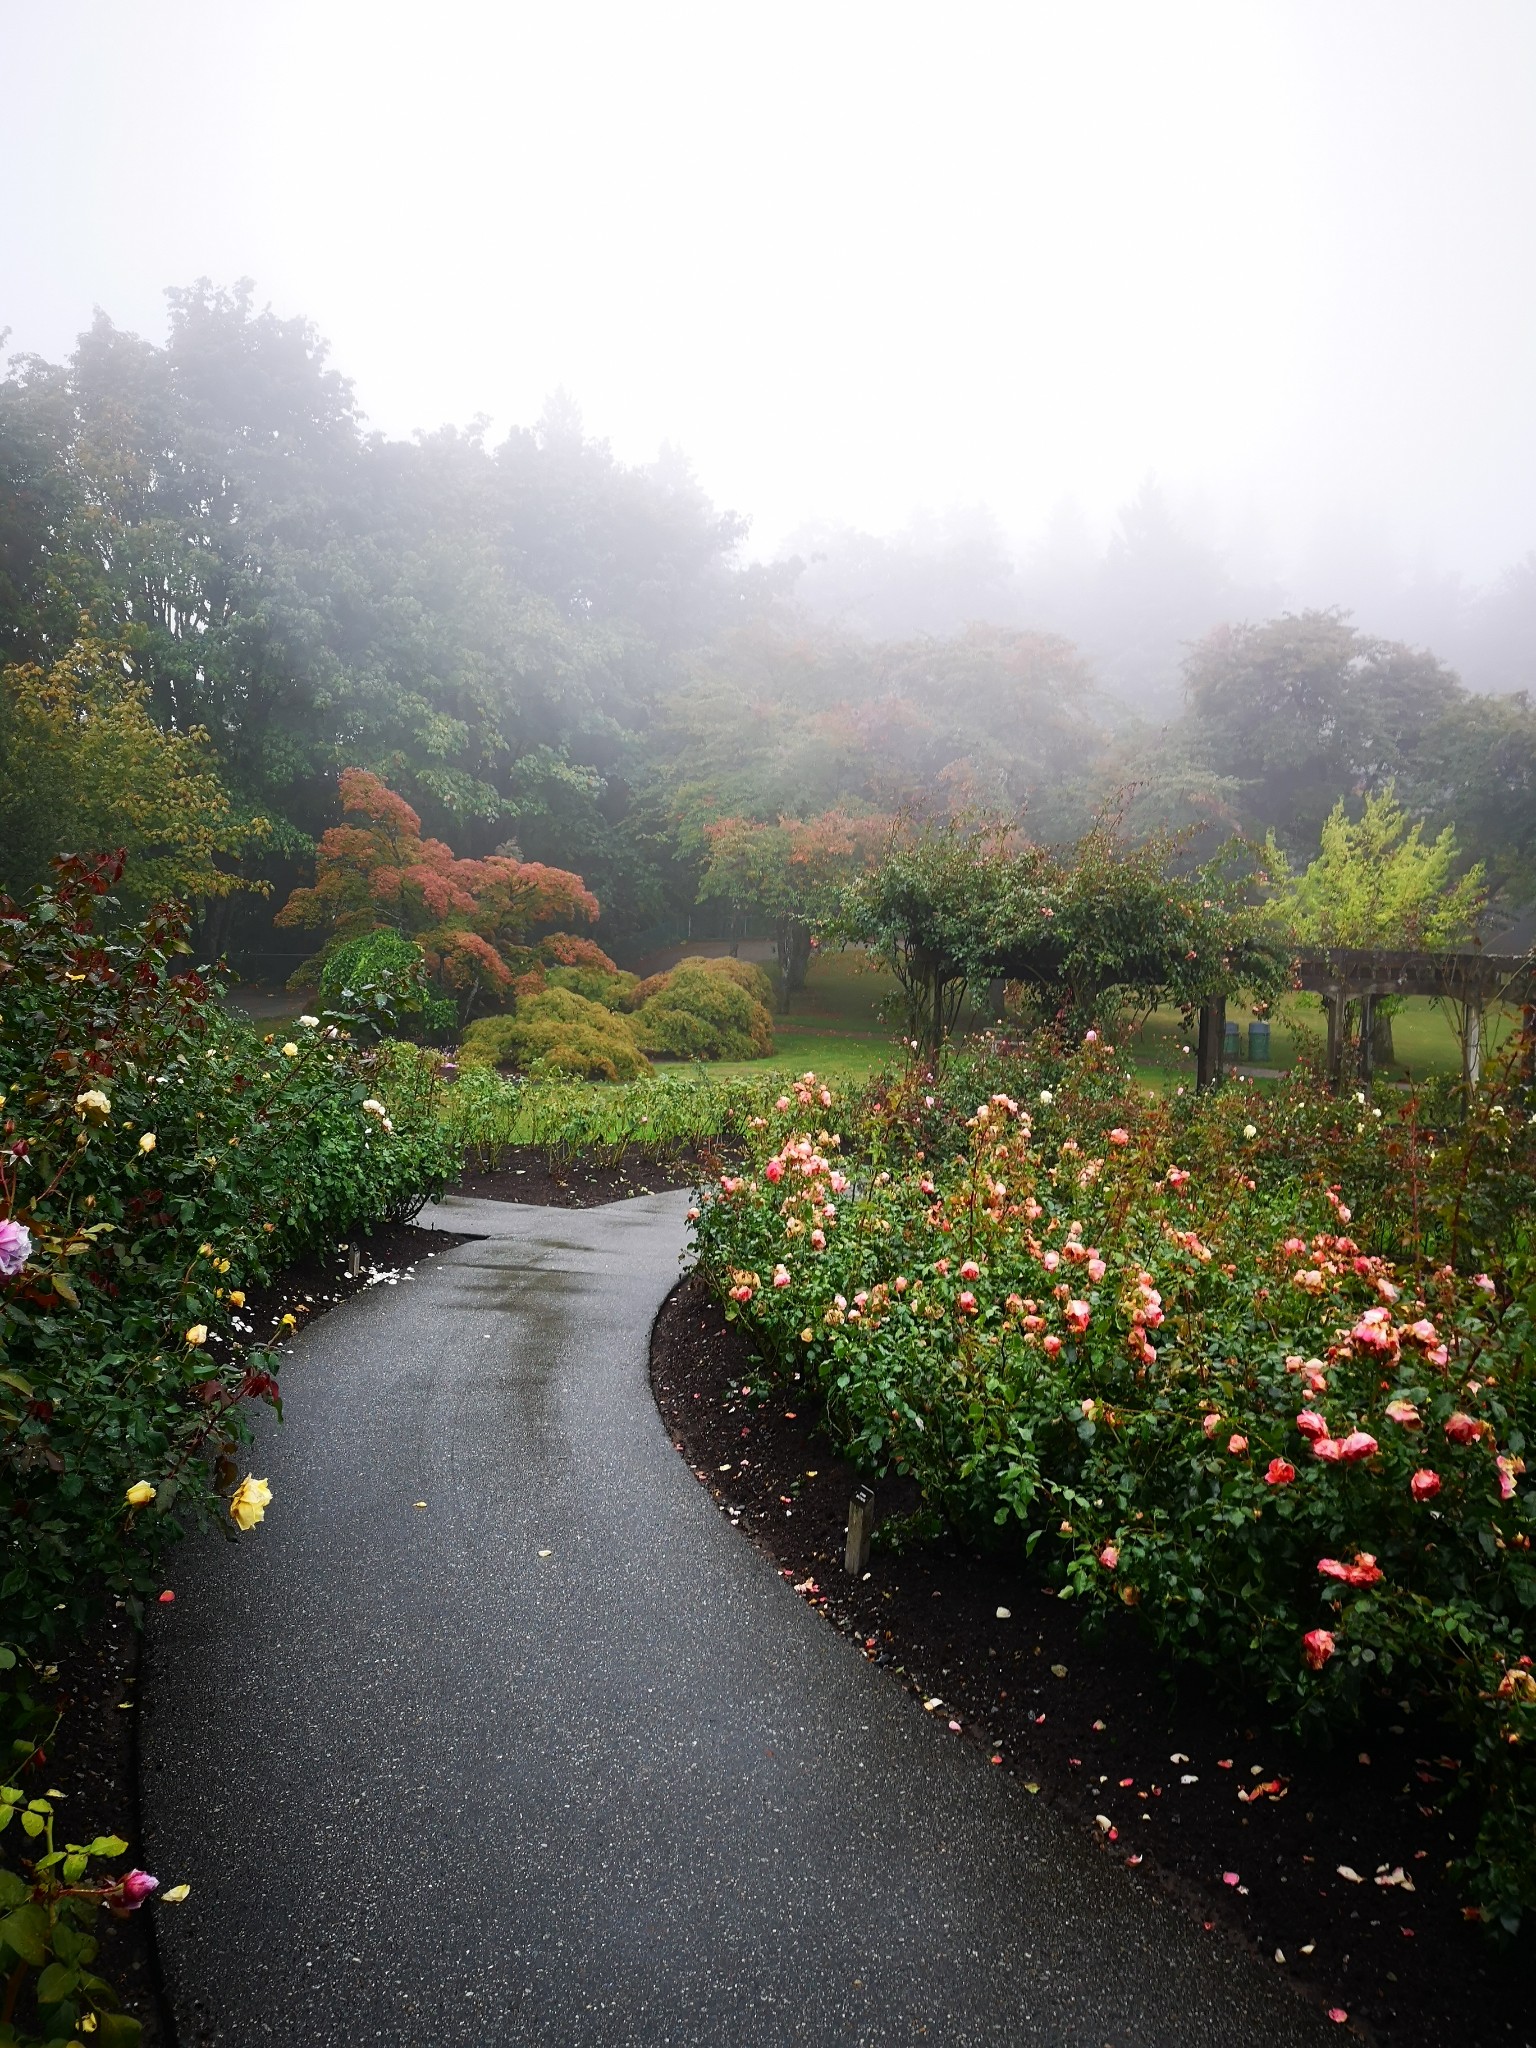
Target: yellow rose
94,1104
290,1322
140,1494
236,1298
290,1051
147,1142
198,1334
250,1501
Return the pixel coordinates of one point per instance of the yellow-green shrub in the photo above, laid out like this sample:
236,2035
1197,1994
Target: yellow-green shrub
701,1012
558,1032
611,987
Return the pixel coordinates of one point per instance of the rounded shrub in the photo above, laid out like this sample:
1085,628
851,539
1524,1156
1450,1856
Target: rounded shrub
611,987
376,984
558,1032
701,1012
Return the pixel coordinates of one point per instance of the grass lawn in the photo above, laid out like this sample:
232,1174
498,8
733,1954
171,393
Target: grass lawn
832,1025
1424,1040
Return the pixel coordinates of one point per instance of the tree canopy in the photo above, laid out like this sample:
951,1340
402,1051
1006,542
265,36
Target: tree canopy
84,766
470,918
556,658
1379,882
1082,930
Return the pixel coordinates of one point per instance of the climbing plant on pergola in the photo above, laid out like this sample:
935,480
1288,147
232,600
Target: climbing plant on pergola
1082,929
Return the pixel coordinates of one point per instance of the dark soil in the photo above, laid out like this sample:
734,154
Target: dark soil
93,1760
1094,1724
525,1176
92,1757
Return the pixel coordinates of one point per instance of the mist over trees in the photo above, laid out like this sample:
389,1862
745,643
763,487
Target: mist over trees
557,657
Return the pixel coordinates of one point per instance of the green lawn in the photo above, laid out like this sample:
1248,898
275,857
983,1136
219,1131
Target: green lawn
832,1026
1424,1039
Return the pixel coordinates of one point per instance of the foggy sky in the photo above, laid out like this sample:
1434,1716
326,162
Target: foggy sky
852,259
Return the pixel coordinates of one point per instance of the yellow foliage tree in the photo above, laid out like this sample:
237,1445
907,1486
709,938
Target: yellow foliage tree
85,768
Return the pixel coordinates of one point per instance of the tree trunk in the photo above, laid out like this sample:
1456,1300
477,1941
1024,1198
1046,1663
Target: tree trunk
1382,1051
211,932
792,944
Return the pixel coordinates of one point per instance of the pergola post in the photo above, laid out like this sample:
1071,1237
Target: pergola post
1472,1041
1335,1001
1367,1050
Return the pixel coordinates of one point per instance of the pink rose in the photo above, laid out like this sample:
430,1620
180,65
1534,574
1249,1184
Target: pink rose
1481,1280
1211,1424
1119,1136
1281,1472
1317,1646
1050,1346
1463,1429
1096,1270
774,1170
1509,1471
15,1247
1237,1444
131,1890
1328,1449
781,1276
1424,1484
1356,1446
967,1302
1051,1261
1310,1423
970,1270
1078,1313
818,1240
1365,1571
1109,1557
1404,1414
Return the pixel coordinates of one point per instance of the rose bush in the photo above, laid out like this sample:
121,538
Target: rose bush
1231,1362
157,1159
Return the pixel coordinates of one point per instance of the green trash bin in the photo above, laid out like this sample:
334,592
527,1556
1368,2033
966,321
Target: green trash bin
1258,1041
1232,1045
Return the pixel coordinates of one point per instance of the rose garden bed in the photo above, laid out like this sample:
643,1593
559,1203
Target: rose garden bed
1073,1711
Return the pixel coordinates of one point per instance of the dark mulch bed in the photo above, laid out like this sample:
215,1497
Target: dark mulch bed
93,1756
525,1176
93,1761
1094,1724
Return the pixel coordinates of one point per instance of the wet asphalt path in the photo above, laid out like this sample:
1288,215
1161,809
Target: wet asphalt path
431,1786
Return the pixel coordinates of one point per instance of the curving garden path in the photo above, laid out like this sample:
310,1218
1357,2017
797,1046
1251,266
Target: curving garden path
559,1758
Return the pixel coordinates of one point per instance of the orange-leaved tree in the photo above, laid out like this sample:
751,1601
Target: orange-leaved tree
471,919
790,873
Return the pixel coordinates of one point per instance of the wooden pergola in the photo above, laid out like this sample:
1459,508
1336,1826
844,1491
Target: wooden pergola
1468,981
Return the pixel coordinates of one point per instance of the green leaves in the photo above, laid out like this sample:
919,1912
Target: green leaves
25,1930
256,1158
